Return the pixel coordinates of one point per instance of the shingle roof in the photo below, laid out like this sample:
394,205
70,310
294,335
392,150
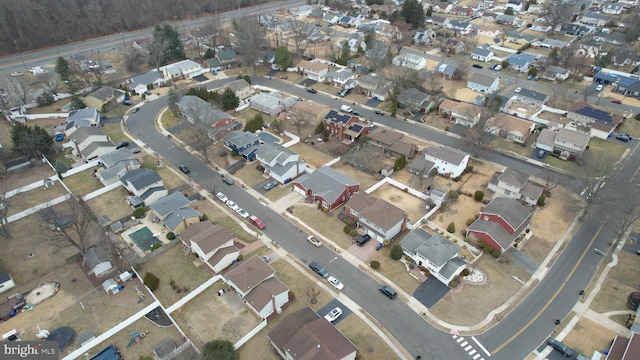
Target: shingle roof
241,138
437,249
533,94
482,79
448,154
379,212
169,203
326,182
83,133
513,177
247,274
141,178
513,213
208,236
263,293
493,229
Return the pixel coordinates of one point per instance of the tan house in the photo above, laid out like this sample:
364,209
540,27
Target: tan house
309,111
392,142
213,244
510,127
461,113
103,96
378,218
241,88
313,70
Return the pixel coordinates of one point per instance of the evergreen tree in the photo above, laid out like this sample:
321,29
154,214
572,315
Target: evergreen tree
172,102
219,350
283,58
63,69
31,141
229,100
166,46
413,13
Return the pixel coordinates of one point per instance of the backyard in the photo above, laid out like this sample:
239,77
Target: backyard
413,206
39,195
83,182
112,204
588,336
227,219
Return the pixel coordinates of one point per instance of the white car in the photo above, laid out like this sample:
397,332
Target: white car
314,240
517,90
17,73
233,206
222,197
242,212
599,87
333,315
335,282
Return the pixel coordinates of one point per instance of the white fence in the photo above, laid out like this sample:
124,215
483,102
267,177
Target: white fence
80,168
331,162
102,191
193,294
38,207
294,139
397,184
553,110
250,334
46,116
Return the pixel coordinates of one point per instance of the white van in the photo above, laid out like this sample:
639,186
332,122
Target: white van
346,108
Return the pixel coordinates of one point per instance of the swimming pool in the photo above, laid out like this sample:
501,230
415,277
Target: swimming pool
265,137
144,239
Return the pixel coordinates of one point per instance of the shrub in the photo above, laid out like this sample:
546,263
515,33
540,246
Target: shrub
353,232
171,236
347,229
470,221
396,252
447,128
139,213
465,272
291,295
240,257
204,217
349,221
151,281
478,195
156,246
408,258
453,194
541,200
637,117
453,284
375,265
451,228
496,254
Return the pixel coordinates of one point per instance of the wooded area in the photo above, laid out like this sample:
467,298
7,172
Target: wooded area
32,24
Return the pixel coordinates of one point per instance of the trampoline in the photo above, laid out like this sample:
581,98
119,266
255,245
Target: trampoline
63,336
144,239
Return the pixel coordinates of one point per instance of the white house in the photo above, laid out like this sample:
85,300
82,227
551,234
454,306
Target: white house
447,160
411,61
313,70
280,163
90,143
185,69
380,219
6,282
482,53
483,83
141,83
213,244
613,8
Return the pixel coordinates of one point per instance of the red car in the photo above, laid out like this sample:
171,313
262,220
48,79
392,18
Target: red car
257,222
616,101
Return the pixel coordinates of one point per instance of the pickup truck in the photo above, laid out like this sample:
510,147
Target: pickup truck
257,222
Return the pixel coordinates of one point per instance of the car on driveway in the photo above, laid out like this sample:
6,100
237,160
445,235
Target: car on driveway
122,144
333,315
318,269
477,66
314,240
227,181
242,212
270,185
266,258
560,346
599,87
233,206
387,291
623,137
312,90
184,169
135,150
335,283
517,90
222,197
363,239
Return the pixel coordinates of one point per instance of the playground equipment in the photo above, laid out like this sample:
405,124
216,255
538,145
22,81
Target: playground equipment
140,295
42,333
135,337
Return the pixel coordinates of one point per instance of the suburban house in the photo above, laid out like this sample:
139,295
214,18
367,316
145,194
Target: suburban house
514,184
313,70
567,143
141,83
214,64
461,113
306,335
341,77
90,143
613,8
200,113
520,62
550,44
434,252
510,127
115,164
244,143
378,218
240,87
309,112
603,124
254,280
409,60
6,282
482,53
622,348
373,87
213,244
226,58
483,83
145,186
452,46
447,70
346,127
500,223
413,98
82,118
595,19
103,96
175,212
517,37
327,186
445,160
392,142
185,69
516,5
438,20
541,25
463,27
280,163
425,38
532,98
555,73
442,7
272,103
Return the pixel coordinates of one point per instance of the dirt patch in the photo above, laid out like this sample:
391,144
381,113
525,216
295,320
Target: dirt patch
37,196
414,206
312,154
19,178
588,336
41,293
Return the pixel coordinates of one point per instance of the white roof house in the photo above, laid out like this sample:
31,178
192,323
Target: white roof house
411,61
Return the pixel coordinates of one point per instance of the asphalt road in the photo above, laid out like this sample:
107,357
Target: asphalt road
415,335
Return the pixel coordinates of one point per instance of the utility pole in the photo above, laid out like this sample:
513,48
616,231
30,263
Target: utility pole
15,41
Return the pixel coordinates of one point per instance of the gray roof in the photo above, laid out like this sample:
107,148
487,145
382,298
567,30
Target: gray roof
169,203
342,74
482,79
195,107
175,218
514,177
95,256
448,154
532,94
4,277
547,137
121,166
482,50
272,151
83,133
224,55
520,59
90,114
145,195
326,182
140,178
146,79
112,158
452,267
420,164
414,94
436,248
106,92
238,84
514,213
95,146
446,69
271,101
571,137
495,230
241,138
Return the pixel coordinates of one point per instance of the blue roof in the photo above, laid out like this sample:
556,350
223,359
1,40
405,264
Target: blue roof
624,81
109,353
337,117
356,127
345,19
601,116
605,77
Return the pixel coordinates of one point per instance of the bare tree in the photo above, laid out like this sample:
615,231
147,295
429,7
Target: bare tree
251,38
133,60
18,89
4,202
297,121
72,224
626,210
51,82
561,97
300,31
199,133
594,170
213,30
211,187
558,11
488,124
433,83
462,69
312,294
400,78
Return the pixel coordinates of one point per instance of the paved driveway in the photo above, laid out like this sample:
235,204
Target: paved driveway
430,292
522,260
364,253
332,305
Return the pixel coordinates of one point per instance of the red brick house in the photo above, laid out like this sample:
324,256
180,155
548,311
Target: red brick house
345,127
327,186
501,222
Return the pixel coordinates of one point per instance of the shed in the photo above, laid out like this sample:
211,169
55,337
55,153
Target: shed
387,171
98,261
110,286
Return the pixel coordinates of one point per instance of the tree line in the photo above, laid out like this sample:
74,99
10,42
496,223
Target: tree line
33,24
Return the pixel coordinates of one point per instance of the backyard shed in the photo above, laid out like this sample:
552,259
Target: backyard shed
111,286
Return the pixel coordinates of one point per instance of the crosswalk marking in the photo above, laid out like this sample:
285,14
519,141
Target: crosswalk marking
476,356
469,347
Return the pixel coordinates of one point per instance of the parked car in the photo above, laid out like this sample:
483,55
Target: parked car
498,67
387,291
17,73
363,239
127,102
314,240
122,144
270,185
378,112
312,90
517,90
184,169
266,258
623,137
356,113
242,212
232,205
135,150
260,168
213,72
335,283
560,346
477,66
530,77
284,77
135,110
257,222
227,181
333,315
599,87
147,93
222,197
318,269
616,101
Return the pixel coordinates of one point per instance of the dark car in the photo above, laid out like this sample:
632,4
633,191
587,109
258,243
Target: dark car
530,77
616,101
312,90
122,144
127,102
387,291
270,185
560,346
363,239
356,113
379,112
135,110
318,269
260,168
477,66
184,169
227,181
623,137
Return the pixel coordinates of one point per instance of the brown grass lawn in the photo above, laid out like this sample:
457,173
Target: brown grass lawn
370,346
588,336
606,147
394,270
366,180
328,225
509,146
250,175
170,179
621,280
223,218
17,179
84,182
458,212
208,317
172,264
39,195
279,191
414,206
631,126
115,133
311,155
472,303
112,204
436,121
168,120
154,334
